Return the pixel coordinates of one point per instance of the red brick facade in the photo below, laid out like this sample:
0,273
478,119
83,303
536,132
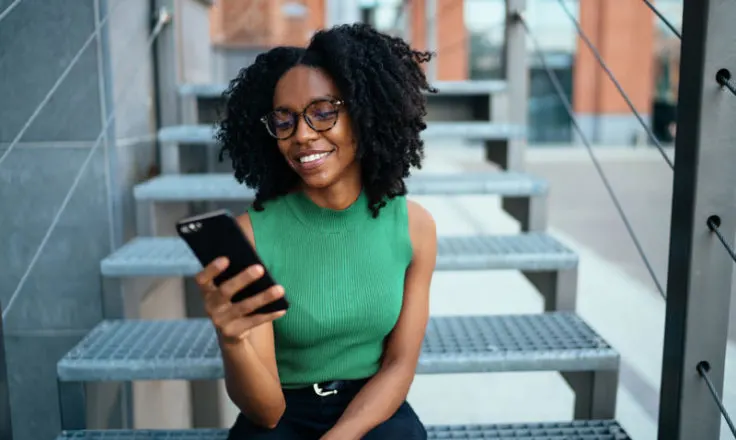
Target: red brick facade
624,35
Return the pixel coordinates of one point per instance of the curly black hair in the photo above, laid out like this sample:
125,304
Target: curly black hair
382,84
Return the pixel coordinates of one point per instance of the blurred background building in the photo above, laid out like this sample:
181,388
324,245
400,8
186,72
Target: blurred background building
467,36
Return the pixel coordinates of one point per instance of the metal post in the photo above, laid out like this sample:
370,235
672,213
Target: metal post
6,428
406,21
166,72
430,7
72,405
595,393
531,212
558,288
699,279
516,73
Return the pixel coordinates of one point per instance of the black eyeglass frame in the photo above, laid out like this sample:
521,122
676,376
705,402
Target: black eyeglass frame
338,103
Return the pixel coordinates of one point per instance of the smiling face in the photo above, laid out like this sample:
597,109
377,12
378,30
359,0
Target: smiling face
321,151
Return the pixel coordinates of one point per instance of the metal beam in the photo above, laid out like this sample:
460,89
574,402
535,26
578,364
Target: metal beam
6,429
516,74
699,279
430,10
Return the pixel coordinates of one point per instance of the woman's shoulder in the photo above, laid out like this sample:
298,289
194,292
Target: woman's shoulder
422,232
252,216
247,227
421,221
415,222
414,213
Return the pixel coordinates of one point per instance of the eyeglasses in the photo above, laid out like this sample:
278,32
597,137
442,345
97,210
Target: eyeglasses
320,115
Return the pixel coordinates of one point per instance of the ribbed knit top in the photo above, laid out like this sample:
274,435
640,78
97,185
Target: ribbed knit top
343,273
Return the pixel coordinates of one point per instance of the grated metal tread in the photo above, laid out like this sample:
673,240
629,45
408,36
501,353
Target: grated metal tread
474,87
533,251
575,430
145,434
204,134
125,350
207,187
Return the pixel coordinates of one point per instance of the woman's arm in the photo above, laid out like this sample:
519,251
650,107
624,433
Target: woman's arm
251,375
379,399
251,378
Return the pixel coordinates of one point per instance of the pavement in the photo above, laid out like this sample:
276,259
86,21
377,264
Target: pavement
615,293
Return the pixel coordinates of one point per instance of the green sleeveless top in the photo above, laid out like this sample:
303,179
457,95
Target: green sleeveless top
343,273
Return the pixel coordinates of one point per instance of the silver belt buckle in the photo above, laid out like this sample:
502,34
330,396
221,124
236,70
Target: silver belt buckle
320,392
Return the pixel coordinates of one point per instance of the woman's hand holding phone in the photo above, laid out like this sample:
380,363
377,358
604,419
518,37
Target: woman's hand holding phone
233,321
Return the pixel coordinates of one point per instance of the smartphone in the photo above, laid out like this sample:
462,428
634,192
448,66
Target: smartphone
217,234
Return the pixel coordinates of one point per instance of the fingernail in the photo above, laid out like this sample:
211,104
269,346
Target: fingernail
257,270
221,263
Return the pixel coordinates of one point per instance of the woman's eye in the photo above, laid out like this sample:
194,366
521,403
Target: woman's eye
324,114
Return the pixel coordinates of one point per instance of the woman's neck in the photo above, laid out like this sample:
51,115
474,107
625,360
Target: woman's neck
338,196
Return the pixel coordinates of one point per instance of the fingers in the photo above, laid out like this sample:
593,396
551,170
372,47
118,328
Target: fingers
235,284
262,318
204,279
238,329
234,321
227,314
255,302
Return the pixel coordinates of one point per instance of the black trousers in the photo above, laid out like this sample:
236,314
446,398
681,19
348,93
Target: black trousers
308,416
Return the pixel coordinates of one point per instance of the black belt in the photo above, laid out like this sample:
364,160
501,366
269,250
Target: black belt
332,387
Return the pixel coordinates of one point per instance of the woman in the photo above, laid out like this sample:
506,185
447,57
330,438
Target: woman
325,135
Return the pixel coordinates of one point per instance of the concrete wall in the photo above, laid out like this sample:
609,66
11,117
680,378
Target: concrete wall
60,299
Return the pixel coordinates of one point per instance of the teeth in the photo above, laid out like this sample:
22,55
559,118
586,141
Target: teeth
312,157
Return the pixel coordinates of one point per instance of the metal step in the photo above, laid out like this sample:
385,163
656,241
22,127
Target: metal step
492,135
524,196
220,187
475,87
129,350
204,134
549,265
532,252
575,430
135,350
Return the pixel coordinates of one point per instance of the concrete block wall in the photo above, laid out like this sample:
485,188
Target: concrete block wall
60,299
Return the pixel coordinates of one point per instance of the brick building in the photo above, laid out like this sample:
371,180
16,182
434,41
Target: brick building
467,36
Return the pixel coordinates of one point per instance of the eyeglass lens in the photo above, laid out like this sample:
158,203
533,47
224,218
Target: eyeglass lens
320,115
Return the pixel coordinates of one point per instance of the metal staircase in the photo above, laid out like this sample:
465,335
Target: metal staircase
125,349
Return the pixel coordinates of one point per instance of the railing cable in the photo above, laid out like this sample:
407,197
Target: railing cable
723,77
7,10
703,368
57,84
568,108
610,74
714,222
664,19
164,17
